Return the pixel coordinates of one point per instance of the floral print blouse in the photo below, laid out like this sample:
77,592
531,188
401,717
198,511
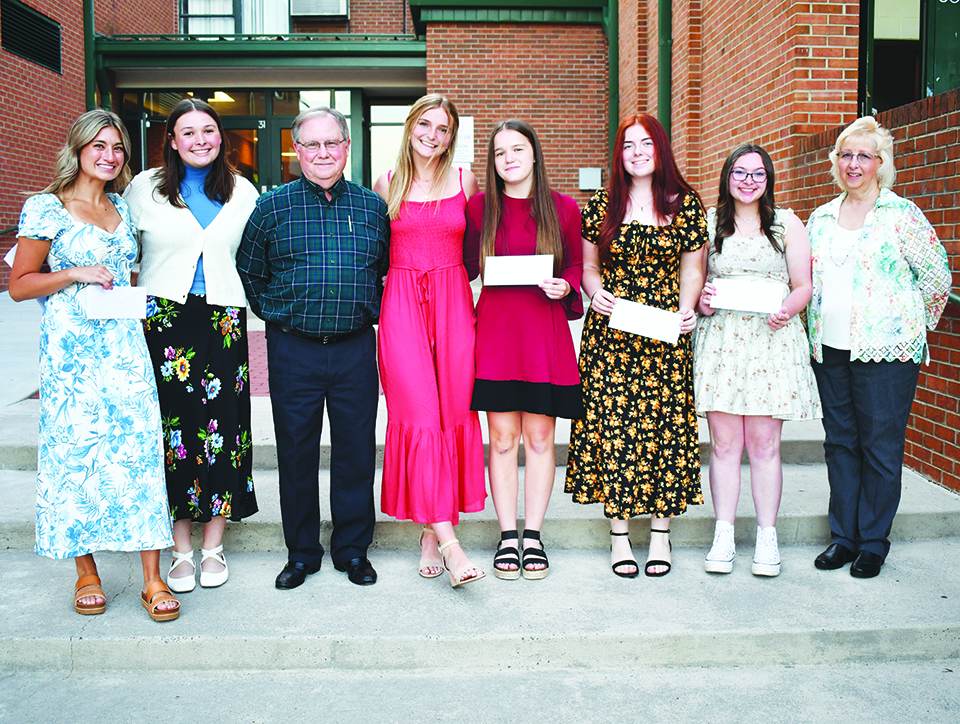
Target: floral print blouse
900,284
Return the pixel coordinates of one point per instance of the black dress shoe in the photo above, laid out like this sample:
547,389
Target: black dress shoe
867,565
294,574
836,556
359,571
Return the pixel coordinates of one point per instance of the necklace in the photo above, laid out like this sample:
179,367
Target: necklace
753,228
832,246
427,190
638,206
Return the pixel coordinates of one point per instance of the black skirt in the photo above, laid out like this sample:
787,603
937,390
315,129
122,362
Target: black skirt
199,354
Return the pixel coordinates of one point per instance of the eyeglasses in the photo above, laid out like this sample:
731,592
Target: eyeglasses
314,146
758,177
861,157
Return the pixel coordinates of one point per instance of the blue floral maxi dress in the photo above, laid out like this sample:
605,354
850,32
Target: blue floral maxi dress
100,483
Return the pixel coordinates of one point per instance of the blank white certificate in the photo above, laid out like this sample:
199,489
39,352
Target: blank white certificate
748,295
116,303
502,271
645,320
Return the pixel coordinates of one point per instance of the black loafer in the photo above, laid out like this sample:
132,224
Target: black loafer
867,565
359,571
836,556
294,574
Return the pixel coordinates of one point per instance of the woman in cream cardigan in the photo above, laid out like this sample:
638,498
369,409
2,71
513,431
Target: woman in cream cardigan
190,213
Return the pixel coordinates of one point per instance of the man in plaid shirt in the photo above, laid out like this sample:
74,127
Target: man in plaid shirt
311,260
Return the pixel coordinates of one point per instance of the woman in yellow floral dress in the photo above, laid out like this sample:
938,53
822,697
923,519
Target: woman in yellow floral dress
636,450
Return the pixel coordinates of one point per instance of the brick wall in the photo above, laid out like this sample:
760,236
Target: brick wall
633,57
367,17
130,17
772,74
927,152
554,76
39,104
33,130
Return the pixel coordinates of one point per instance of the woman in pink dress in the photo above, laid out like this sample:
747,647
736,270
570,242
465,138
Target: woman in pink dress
527,372
433,461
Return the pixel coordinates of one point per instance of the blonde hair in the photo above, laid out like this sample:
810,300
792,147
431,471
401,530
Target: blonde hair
866,129
83,131
402,178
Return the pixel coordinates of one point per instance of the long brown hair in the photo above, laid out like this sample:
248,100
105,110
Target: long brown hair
726,206
402,177
669,186
220,179
83,131
543,208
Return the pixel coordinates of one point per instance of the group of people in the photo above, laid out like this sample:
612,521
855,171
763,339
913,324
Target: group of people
145,426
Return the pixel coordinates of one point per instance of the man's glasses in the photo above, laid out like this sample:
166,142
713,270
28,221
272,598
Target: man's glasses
314,146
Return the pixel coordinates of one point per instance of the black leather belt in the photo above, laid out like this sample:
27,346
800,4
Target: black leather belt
322,339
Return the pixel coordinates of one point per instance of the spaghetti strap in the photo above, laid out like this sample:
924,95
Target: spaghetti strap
461,178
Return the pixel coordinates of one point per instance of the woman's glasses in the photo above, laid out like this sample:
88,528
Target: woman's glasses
738,175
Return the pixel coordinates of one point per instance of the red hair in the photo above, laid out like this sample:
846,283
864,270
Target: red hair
669,186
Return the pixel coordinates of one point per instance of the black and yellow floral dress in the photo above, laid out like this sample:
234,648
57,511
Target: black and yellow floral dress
636,450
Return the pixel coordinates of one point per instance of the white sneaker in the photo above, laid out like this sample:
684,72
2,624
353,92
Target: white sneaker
724,550
766,560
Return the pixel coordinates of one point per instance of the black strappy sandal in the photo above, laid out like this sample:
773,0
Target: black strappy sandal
506,555
534,556
625,561
650,563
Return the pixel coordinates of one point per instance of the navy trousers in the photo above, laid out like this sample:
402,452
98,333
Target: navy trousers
305,375
866,406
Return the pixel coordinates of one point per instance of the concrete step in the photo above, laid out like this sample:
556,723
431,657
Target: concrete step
919,692
802,441
926,511
580,617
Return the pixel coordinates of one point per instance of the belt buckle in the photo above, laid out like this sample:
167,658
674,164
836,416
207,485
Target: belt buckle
327,338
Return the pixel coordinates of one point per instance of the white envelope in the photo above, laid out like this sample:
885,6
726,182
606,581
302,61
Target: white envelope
501,271
748,295
645,320
116,303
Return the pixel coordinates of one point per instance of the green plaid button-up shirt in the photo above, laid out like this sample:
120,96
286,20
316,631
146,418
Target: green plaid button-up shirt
316,265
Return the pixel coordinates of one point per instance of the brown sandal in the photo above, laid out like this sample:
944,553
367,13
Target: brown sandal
156,593
89,585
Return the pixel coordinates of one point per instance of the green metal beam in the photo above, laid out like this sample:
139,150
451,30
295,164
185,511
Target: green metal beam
665,64
612,29
580,12
89,56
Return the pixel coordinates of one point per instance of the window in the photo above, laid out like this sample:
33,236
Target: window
210,17
30,35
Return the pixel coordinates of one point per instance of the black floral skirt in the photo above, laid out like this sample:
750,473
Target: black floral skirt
200,357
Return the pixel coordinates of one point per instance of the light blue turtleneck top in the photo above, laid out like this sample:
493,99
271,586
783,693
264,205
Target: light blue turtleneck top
204,210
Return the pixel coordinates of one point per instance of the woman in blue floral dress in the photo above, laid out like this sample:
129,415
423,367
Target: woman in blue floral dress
191,213
100,479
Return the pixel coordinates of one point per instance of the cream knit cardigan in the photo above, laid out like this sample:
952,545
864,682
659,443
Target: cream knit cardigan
172,240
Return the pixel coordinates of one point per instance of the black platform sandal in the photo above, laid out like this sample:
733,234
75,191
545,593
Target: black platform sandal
533,556
506,555
625,562
650,563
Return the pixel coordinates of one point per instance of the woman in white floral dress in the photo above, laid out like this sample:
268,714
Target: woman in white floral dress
100,463
751,370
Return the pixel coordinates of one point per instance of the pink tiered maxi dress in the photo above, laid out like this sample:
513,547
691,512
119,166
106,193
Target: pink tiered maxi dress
433,460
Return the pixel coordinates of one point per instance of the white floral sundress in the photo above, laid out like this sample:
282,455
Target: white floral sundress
100,483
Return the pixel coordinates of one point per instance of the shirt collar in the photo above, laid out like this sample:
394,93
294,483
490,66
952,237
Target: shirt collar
335,191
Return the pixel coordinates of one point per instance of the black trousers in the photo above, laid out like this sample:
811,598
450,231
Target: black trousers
305,375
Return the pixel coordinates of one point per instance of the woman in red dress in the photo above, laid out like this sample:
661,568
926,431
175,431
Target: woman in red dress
526,363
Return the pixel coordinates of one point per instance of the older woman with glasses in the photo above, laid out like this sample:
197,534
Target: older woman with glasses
880,280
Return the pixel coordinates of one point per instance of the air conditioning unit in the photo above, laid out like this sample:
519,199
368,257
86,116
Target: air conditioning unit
319,8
